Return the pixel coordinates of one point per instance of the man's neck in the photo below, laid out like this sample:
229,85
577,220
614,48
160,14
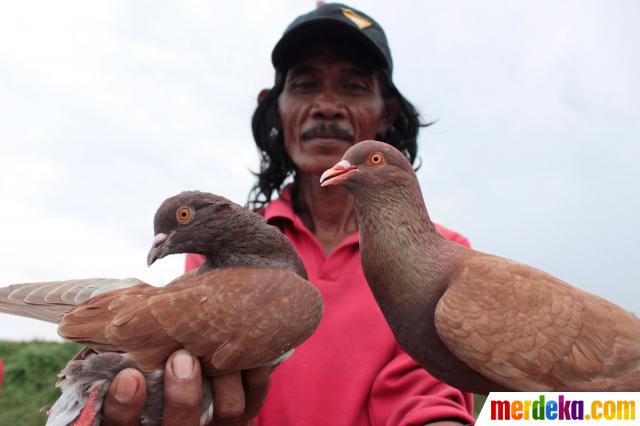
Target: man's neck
328,213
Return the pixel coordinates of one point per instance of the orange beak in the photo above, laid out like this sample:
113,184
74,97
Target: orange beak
337,174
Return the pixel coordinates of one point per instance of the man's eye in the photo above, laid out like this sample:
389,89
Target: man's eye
303,84
358,87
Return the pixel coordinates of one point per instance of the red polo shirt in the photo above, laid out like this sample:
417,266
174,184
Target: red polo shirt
351,371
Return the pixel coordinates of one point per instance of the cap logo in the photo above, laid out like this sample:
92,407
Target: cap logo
360,21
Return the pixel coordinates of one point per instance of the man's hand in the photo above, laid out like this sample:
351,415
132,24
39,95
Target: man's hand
237,397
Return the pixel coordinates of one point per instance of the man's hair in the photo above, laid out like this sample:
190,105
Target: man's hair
275,164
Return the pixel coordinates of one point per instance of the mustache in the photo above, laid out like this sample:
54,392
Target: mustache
323,129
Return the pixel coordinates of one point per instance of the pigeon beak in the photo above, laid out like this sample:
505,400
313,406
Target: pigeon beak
337,174
159,249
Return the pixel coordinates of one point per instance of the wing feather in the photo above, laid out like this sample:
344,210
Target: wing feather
244,317
49,301
237,317
527,330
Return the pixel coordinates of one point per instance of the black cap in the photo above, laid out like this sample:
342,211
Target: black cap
334,20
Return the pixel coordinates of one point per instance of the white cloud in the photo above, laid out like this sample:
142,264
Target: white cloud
108,108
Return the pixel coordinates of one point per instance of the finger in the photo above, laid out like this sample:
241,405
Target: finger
125,399
228,397
182,390
256,385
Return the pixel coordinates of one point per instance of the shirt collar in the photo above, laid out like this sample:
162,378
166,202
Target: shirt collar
282,208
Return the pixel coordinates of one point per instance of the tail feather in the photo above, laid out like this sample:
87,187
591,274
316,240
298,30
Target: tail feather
50,301
84,384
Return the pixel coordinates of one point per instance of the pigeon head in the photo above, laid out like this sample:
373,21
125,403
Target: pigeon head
185,222
373,165
226,233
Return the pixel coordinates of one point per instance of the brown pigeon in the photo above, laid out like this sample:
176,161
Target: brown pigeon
478,322
248,305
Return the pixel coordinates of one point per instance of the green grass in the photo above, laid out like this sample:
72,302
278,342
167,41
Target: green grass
31,370
478,402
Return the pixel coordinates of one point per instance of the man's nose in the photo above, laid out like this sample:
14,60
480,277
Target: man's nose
328,106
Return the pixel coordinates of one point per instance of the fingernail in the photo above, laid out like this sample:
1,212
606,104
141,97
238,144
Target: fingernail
126,387
182,365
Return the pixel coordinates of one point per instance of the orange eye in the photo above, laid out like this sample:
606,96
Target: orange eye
184,215
375,158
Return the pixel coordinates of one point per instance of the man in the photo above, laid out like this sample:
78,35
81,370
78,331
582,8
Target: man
333,88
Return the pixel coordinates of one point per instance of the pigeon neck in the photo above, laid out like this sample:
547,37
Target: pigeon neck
400,206
251,260
397,239
266,247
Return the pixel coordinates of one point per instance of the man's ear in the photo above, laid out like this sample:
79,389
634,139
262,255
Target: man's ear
263,95
389,115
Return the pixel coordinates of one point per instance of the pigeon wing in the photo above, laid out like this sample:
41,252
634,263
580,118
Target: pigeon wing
237,318
527,330
49,301
242,317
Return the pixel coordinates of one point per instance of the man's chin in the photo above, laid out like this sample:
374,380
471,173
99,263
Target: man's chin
314,168
315,156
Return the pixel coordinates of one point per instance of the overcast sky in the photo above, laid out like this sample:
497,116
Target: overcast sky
107,108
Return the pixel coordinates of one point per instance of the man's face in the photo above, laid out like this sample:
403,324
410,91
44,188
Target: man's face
328,104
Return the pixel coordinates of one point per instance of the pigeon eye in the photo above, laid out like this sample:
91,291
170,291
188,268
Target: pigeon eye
184,215
375,159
